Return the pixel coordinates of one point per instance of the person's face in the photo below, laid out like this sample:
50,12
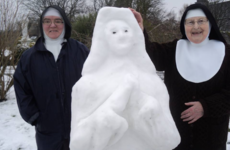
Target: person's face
196,29
119,36
53,26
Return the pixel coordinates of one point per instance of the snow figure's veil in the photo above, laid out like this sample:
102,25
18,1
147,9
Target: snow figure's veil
100,49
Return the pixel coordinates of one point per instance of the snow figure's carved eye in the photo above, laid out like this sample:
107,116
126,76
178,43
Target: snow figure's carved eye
114,32
126,30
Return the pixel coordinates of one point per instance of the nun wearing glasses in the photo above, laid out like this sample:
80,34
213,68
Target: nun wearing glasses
197,76
44,78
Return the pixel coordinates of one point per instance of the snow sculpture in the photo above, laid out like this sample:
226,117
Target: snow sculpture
120,103
25,35
25,41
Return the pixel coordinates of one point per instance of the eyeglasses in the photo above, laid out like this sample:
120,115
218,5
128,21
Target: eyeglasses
48,22
200,22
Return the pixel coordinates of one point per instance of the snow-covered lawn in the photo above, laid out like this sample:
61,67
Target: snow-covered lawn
15,133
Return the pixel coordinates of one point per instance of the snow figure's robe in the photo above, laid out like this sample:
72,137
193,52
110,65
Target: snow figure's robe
120,103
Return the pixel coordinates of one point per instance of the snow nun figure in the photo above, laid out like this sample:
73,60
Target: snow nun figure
197,75
120,103
44,79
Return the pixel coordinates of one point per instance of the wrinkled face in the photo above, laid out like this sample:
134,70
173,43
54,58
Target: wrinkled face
119,36
196,29
53,26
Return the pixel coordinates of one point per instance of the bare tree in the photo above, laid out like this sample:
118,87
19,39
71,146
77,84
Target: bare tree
10,33
71,7
124,3
97,4
150,9
182,10
167,30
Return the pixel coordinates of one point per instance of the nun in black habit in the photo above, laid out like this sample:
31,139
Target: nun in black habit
44,78
197,76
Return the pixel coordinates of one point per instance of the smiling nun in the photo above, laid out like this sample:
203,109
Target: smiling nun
197,76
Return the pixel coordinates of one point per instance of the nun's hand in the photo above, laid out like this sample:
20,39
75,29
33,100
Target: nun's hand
138,18
193,113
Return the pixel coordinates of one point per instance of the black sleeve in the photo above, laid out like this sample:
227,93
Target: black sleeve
218,104
86,51
25,99
160,54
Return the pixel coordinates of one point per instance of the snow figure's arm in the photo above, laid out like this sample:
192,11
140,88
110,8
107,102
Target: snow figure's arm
155,125
25,99
103,127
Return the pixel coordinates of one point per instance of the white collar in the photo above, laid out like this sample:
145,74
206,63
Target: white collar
199,62
54,45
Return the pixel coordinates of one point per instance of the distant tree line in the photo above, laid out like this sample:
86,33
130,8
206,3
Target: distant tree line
162,26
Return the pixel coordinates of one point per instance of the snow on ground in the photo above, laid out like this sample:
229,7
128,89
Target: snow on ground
15,133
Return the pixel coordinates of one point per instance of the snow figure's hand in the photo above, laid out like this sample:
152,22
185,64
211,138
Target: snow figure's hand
104,126
153,123
149,111
131,80
101,129
119,99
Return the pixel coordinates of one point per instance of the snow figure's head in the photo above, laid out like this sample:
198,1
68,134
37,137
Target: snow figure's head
116,35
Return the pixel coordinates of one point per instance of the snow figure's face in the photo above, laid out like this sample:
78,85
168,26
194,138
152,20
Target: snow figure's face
119,36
